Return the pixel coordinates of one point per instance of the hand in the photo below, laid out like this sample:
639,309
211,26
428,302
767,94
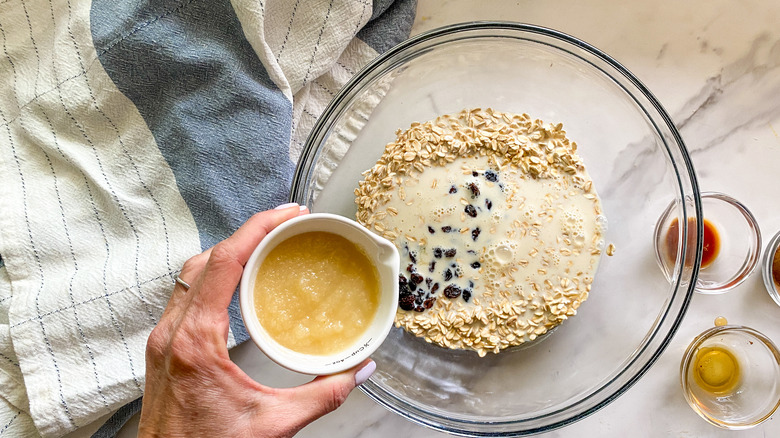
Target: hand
192,386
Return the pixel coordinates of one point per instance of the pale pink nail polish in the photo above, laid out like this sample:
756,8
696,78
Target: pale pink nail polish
288,205
364,373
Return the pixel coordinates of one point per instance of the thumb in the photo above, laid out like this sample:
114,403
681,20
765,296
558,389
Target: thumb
324,394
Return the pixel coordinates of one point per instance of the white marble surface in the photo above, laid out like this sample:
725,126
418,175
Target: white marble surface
715,66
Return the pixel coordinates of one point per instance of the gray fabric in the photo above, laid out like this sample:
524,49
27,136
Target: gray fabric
390,28
216,116
114,424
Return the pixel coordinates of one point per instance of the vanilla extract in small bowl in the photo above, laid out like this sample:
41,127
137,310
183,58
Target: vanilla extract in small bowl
731,241
710,245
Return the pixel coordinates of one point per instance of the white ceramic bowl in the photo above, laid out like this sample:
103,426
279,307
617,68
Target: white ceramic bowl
382,253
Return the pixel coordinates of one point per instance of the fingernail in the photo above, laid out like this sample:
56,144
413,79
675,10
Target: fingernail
364,373
287,205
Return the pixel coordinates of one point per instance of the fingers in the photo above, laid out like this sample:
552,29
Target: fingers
322,395
223,269
190,272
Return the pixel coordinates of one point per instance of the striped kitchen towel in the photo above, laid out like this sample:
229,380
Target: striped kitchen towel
133,135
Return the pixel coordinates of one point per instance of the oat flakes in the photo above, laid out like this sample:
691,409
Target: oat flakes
498,224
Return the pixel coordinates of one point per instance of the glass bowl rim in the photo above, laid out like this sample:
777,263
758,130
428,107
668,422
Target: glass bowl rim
766,268
438,422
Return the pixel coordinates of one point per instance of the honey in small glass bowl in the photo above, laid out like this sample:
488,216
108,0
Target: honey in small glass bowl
731,376
731,242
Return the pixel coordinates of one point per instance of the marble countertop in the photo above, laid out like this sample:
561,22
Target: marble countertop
715,66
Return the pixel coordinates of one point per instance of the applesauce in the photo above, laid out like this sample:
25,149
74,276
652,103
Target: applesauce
316,293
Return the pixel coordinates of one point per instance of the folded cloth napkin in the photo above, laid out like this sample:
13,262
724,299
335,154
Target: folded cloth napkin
134,135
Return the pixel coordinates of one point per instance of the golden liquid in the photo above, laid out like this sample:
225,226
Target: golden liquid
316,293
716,370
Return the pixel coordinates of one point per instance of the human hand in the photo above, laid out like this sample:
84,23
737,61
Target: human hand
192,386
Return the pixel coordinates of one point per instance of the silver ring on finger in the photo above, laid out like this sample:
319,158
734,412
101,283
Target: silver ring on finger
183,283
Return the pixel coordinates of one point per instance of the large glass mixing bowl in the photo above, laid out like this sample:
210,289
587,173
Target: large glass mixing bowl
638,163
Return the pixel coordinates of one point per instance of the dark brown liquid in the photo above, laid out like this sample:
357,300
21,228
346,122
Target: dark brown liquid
711,246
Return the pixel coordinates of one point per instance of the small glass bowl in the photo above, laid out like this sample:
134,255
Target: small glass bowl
756,393
736,230
769,260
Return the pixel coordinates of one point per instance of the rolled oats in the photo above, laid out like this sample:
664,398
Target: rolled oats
500,204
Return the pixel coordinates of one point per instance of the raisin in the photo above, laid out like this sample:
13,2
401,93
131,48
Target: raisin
435,288
452,291
412,286
406,301
437,252
428,282
410,267
471,211
491,176
428,303
413,256
475,233
450,252
401,280
471,284
474,189
474,173
419,309
453,189
488,204
418,300
417,278
432,266
447,229
447,275
476,265
467,295
431,230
